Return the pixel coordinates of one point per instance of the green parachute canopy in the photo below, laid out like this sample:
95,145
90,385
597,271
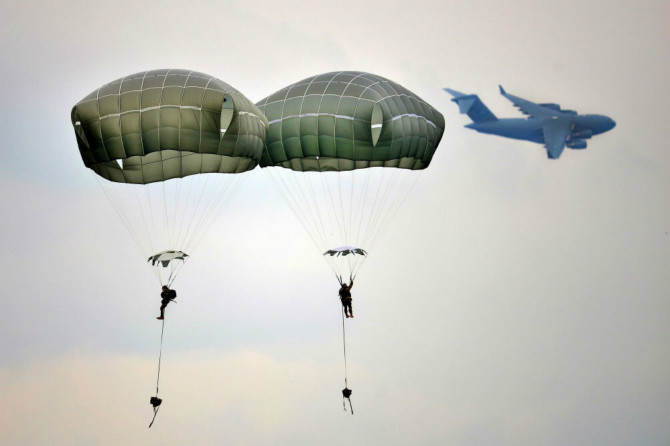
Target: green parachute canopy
349,120
149,137
157,125
344,149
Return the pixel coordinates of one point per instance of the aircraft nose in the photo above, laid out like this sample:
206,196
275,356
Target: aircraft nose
608,124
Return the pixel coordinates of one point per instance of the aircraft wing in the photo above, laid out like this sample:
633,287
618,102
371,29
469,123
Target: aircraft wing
530,108
556,131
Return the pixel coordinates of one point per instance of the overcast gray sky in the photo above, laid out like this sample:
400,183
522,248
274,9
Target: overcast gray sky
513,300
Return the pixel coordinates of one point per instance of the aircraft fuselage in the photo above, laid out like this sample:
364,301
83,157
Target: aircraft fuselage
582,127
517,128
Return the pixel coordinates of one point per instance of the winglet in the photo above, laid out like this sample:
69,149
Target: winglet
502,90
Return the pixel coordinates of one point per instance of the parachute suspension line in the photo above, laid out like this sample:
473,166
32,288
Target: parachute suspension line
393,188
410,181
325,204
207,189
377,208
285,190
308,215
351,204
345,227
361,233
365,221
360,206
167,219
339,225
130,205
205,222
290,189
193,241
343,208
182,212
344,215
226,190
323,232
191,205
186,208
132,197
149,246
384,194
277,178
189,226
194,225
178,188
174,270
151,230
145,226
407,182
157,215
125,213
351,231
120,213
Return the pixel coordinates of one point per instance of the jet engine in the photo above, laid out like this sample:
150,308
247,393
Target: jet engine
585,134
576,144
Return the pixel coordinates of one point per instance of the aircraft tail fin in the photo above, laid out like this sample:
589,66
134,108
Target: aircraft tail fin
471,105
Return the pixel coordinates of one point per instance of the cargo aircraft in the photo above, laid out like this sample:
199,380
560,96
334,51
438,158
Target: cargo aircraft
546,124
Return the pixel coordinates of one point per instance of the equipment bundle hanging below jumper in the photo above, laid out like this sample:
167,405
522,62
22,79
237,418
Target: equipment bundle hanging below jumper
346,393
155,402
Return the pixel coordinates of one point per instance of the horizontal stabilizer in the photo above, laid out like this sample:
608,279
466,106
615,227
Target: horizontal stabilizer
471,105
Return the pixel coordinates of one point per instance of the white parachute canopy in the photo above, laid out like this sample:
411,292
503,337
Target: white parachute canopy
345,258
167,259
345,251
